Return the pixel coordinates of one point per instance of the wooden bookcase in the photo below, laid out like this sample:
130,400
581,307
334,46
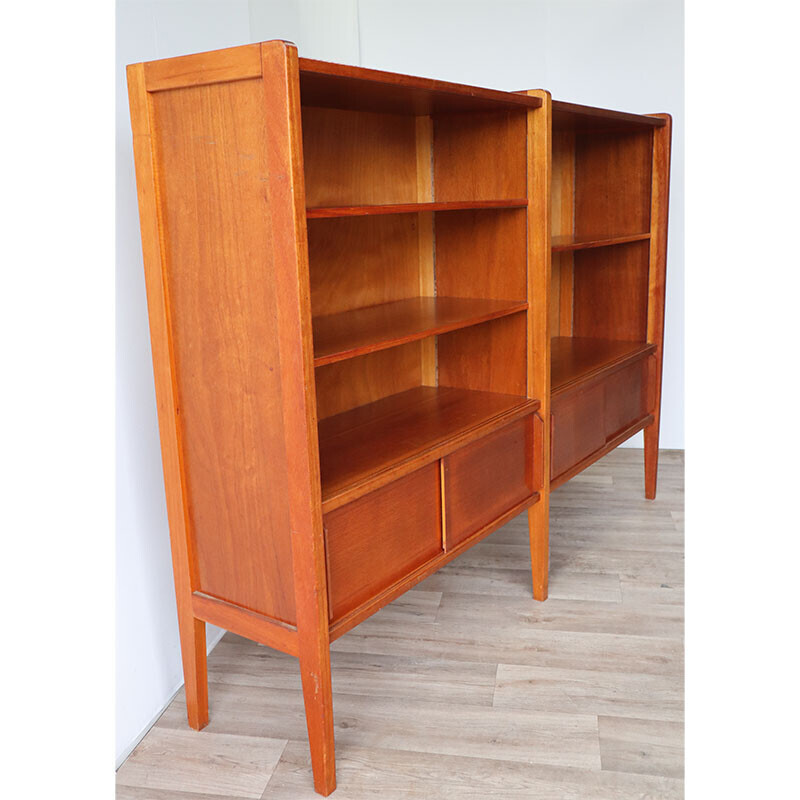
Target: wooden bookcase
350,298
609,202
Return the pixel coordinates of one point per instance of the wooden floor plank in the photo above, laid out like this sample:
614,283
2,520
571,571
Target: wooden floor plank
404,724
659,621
225,764
368,773
403,676
646,746
515,582
623,694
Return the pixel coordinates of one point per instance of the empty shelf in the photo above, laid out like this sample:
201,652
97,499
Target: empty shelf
410,208
585,242
400,433
574,359
365,330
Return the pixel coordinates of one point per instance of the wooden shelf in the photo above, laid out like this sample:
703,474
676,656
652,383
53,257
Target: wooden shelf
571,116
574,359
571,242
371,445
365,330
328,85
410,208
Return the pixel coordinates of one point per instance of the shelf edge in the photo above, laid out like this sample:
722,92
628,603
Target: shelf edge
398,341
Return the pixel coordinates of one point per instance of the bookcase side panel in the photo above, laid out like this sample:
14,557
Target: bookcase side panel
218,272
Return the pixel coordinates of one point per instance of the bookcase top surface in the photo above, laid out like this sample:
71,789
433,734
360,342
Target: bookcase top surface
577,117
329,85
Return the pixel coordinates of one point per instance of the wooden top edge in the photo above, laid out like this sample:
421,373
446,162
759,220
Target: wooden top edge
334,70
222,52
592,112
213,66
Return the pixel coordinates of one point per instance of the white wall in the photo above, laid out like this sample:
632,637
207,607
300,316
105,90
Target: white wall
625,54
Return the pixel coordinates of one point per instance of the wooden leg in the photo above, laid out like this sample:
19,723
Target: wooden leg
315,671
195,673
650,460
539,531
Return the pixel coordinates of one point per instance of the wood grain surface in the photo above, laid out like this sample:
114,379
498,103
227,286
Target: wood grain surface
342,86
365,330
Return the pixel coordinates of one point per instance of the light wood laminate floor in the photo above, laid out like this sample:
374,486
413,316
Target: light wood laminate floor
466,687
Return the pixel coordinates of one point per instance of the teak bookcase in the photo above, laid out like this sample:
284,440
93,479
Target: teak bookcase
349,289
609,199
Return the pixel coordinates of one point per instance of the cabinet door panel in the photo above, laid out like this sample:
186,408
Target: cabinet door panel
578,427
378,539
625,398
487,478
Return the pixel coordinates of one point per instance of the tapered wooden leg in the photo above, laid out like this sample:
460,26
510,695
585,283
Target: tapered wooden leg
315,671
650,460
539,531
195,672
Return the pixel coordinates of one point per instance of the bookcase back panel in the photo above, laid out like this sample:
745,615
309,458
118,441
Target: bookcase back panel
221,305
358,381
362,261
610,292
491,357
481,254
358,157
612,183
562,222
479,156
561,294
562,183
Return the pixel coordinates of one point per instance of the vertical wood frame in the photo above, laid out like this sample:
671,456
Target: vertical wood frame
192,630
286,195
539,171
659,217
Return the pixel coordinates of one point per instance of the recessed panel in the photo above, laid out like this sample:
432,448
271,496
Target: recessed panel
220,279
